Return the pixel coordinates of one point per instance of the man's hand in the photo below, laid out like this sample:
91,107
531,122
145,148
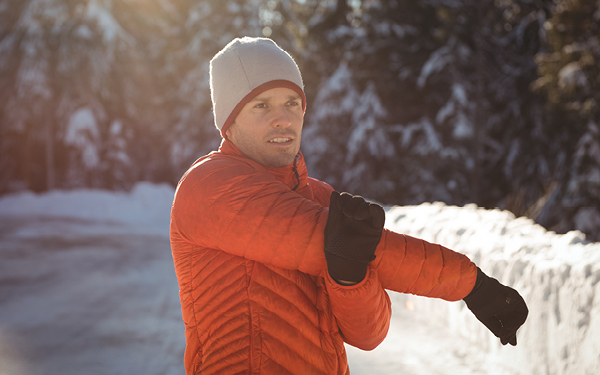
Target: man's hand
352,233
500,308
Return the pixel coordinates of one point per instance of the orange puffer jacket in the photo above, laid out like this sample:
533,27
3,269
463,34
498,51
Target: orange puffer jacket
255,293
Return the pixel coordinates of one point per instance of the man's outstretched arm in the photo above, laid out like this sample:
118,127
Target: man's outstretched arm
354,228
239,208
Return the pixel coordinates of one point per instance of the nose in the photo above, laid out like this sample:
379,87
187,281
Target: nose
281,117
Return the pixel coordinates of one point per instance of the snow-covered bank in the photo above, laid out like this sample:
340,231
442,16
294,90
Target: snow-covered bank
146,207
556,274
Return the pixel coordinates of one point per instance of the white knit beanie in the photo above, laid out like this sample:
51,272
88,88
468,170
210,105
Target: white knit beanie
245,68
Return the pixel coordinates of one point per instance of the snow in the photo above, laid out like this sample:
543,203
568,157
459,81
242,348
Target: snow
87,285
339,82
436,62
82,133
100,12
425,145
145,209
367,112
557,275
571,76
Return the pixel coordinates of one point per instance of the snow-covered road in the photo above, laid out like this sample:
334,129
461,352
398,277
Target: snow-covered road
87,297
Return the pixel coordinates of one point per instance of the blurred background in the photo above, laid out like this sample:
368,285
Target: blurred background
492,102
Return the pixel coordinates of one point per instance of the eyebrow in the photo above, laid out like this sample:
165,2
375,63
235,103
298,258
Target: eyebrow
269,98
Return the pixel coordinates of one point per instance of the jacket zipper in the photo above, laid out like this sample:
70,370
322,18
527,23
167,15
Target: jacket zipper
295,169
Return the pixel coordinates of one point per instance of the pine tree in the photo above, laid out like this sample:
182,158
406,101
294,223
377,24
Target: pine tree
63,58
453,78
125,63
569,78
206,27
325,140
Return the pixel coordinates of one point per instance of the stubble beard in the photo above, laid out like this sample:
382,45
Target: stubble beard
282,159
262,154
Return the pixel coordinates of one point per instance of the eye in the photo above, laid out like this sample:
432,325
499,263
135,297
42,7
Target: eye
293,103
261,105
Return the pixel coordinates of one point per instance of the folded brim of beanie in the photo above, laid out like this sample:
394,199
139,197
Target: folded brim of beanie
260,89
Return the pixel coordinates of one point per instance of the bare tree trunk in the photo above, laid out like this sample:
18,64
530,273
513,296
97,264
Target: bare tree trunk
480,90
50,171
49,115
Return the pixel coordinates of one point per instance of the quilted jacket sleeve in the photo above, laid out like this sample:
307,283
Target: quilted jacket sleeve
410,265
244,211
363,311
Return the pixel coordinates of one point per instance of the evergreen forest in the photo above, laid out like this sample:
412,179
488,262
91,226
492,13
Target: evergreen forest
491,102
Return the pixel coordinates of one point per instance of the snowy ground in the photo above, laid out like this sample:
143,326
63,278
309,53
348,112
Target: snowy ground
87,286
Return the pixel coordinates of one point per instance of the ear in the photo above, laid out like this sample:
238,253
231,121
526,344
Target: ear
228,133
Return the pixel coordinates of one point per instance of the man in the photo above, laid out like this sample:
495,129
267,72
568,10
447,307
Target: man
277,270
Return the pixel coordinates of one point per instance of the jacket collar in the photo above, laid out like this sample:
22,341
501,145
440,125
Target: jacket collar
285,175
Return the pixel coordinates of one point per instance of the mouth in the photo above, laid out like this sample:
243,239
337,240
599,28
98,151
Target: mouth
280,140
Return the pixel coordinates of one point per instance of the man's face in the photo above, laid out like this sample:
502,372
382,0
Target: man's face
268,129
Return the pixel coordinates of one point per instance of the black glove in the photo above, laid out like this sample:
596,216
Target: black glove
500,308
352,233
